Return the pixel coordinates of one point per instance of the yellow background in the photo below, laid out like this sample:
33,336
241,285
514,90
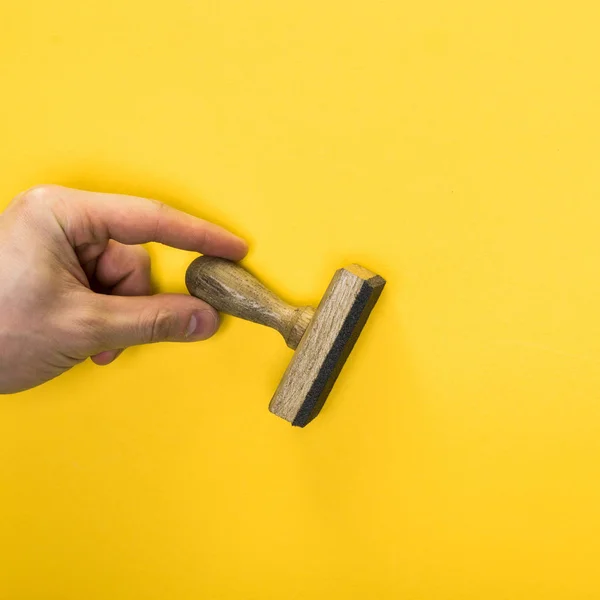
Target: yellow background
452,147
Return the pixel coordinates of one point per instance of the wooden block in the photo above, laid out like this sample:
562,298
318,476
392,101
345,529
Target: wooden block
326,344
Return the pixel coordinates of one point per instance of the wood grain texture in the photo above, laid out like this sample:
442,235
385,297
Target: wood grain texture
230,288
329,339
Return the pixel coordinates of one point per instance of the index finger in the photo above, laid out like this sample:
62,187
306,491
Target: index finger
133,220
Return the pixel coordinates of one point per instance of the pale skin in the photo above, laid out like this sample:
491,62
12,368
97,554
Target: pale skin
76,281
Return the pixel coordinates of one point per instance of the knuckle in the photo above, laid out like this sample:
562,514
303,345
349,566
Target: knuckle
84,329
162,326
160,208
44,194
205,239
92,323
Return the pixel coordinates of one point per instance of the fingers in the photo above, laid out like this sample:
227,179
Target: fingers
133,220
105,358
104,230
130,321
124,270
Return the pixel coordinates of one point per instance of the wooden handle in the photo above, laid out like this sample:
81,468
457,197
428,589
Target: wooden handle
230,289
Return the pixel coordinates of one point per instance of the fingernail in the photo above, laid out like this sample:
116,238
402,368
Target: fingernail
203,324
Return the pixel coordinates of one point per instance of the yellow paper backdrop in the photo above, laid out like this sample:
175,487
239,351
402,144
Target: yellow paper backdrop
452,147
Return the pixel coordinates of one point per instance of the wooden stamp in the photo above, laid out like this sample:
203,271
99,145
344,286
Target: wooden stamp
322,337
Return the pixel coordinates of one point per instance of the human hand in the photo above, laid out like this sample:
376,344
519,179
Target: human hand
59,248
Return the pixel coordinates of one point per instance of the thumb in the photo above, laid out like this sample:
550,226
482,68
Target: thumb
134,320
